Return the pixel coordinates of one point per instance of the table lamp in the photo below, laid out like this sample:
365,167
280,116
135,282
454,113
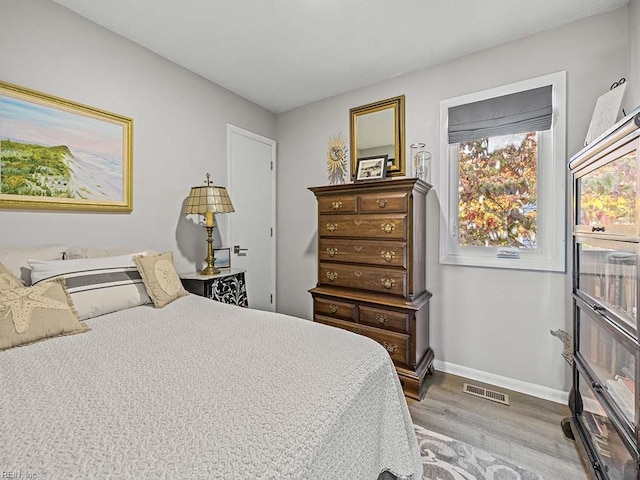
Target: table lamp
207,200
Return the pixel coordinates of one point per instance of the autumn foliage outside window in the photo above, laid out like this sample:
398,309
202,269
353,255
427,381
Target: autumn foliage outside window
498,191
608,195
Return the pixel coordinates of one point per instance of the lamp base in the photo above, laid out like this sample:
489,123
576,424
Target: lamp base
210,260
209,270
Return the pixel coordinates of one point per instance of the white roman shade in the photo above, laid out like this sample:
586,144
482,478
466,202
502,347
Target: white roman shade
521,112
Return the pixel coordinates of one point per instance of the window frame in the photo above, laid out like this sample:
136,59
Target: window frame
550,254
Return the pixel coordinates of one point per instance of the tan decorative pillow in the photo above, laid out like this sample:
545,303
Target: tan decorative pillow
160,278
29,314
8,280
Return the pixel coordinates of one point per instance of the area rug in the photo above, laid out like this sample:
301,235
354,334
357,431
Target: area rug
444,458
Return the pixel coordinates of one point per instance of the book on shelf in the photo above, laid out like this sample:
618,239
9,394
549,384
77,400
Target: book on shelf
599,430
597,286
622,397
630,280
593,343
628,383
605,350
629,372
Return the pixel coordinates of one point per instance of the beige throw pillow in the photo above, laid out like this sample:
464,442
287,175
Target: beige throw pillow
8,280
29,314
160,278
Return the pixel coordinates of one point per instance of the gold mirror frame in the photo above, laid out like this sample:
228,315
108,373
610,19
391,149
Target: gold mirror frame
396,165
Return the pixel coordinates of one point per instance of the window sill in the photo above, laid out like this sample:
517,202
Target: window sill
525,262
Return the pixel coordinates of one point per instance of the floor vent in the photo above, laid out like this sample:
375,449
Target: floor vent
484,393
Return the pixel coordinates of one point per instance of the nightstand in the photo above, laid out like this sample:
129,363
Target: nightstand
228,286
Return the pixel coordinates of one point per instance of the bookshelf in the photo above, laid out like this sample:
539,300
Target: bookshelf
606,248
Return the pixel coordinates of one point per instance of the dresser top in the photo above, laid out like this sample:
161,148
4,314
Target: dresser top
374,186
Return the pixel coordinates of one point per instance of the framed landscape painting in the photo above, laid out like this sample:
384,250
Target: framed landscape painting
222,257
58,154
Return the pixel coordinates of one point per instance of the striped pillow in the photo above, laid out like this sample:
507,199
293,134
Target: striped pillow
96,285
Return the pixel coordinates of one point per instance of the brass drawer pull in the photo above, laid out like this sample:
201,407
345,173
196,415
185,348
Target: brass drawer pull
333,308
357,222
358,274
388,255
382,319
387,283
382,203
336,205
332,251
388,227
390,347
357,248
332,227
331,275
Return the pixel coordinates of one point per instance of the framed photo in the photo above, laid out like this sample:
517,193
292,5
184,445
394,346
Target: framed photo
222,257
371,168
58,154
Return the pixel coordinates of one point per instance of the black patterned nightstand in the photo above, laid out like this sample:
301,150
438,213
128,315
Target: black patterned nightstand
228,286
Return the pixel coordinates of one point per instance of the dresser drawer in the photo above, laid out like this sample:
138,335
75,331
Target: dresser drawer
394,202
376,279
392,254
337,204
386,319
397,344
334,309
391,227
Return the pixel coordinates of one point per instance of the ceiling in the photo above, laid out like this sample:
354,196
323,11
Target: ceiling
282,54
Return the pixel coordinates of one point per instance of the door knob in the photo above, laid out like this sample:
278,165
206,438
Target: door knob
237,249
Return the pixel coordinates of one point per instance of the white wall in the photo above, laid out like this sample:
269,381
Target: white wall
632,99
179,127
494,321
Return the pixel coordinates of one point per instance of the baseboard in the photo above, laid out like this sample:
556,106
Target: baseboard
527,388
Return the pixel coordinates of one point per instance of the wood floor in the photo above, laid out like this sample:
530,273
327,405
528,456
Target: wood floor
527,432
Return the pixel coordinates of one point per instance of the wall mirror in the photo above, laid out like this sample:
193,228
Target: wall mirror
378,129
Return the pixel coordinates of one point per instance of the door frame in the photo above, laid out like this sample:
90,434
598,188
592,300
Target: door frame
231,129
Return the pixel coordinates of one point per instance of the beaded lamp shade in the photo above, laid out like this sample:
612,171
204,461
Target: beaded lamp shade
207,200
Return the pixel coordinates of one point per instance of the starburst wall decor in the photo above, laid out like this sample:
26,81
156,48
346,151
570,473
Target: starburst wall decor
337,159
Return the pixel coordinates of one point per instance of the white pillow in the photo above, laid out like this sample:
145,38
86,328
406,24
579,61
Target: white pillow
16,260
74,253
96,285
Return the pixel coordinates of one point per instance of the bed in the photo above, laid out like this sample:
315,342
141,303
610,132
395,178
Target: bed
200,389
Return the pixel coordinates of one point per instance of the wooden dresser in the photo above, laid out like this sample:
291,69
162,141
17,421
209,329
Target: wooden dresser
371,270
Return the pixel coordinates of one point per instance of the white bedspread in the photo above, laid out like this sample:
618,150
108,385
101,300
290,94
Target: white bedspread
204,390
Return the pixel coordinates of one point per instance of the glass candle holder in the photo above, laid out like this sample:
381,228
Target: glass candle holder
421,162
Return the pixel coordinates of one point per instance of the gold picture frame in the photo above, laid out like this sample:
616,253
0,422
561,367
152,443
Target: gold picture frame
378,129
62,155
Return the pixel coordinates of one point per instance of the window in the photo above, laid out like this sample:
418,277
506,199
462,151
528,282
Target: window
503,176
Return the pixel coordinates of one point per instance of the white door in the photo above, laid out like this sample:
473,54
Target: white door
251,170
